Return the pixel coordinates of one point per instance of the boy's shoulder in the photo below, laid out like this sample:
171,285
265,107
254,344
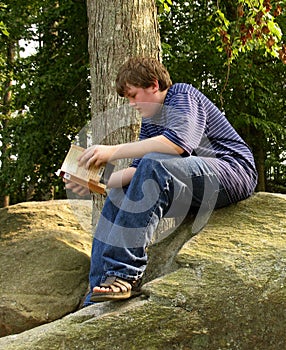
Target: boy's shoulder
183,88
180,87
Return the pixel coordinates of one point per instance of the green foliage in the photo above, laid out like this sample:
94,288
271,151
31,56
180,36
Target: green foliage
248,25
164,5
3,28
50,94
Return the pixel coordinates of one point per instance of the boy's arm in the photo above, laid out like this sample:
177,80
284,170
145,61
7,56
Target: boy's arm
121,178
99,154
154,144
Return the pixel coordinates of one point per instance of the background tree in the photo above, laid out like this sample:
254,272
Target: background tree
8,46
50,94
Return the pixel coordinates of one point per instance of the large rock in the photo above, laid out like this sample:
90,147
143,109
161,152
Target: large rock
223,289
44,258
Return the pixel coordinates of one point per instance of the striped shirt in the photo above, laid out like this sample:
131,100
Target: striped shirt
190,120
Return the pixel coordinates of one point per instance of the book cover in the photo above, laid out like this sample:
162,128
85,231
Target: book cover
94,178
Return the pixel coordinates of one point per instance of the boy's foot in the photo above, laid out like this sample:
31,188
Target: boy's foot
115,288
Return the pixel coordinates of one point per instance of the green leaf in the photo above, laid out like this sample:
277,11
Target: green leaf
3,29
275,29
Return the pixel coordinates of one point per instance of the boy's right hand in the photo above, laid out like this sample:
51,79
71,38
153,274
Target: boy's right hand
97,155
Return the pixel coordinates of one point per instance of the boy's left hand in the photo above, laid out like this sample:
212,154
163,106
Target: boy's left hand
75,188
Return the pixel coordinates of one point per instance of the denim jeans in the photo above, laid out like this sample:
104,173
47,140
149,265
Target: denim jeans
162,186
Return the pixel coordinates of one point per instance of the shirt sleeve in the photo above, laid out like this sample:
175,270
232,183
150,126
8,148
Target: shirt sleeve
185,121
182,121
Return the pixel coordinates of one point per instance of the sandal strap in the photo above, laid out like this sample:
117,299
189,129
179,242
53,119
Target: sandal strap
114,283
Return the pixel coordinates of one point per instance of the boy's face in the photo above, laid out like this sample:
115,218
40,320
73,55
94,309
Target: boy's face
147,101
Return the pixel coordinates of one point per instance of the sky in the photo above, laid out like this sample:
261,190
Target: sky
30,47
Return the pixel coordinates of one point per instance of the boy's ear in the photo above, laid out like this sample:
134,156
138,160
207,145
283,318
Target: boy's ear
155,86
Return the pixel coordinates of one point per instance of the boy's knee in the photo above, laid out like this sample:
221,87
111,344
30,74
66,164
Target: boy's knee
151,156
151,162
147,160
158,158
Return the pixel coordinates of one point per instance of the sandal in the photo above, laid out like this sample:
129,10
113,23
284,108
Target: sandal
119,289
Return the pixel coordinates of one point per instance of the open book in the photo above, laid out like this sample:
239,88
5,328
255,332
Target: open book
94,178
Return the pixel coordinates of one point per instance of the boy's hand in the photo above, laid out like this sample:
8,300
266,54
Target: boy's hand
75,188
96,155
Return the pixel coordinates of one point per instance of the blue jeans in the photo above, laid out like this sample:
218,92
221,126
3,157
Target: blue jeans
162,186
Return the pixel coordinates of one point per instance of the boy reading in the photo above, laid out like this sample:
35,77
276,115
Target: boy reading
188,157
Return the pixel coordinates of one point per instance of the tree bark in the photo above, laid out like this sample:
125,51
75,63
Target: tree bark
260,157
260,165
117,30
7,99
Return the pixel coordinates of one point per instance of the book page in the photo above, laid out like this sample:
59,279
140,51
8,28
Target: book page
71,166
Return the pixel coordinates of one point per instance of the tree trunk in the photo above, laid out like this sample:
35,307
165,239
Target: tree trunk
7,99
260,165
259,156
117,31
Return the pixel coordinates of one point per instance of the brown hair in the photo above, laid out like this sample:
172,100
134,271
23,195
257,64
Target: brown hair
142,72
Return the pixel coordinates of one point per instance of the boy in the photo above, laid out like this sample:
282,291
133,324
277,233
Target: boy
188,157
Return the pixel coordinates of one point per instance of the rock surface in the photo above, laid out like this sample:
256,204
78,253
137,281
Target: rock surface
44,256
223,289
